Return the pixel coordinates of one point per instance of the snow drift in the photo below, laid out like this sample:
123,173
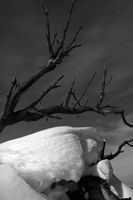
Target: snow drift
52,154
38,160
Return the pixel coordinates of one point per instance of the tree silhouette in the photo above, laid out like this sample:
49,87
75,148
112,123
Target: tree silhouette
71,104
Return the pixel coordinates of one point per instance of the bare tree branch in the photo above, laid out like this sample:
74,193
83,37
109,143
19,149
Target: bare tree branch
72,104
119,150
23,87
55,36
69,94
48,33
107,110
37,114
55,57
86,88
61,45
105,82
64,108
74,38
9,95
111,156
44,93
76,99
122,114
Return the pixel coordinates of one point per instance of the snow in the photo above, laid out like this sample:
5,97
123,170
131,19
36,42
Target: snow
52,154
13,187
29,165
102,169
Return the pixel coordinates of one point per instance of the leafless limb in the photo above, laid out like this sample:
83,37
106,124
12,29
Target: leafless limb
32,113
86,88
61,44
44,93
105,82
119,150
9,95
69,94
76,100
111,156
101,157
71,104
61,51
56,56
108,109
74,38
48,31
55,36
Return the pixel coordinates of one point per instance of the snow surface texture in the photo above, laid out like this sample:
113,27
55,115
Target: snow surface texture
52,155
13,187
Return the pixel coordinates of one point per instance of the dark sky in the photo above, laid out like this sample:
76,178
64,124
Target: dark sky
107,37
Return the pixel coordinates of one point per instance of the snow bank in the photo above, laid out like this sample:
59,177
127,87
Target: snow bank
52,154
102,169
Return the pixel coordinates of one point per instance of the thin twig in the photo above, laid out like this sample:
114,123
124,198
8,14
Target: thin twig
7,107
55,35
119,150
60,47
69,93
86,88
44,93
48,33
74,38
103,86
76,99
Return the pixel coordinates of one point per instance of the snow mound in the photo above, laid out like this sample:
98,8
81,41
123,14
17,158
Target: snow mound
52,154
13,187
102,169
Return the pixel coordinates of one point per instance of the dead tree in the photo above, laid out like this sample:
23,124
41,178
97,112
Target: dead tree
72,104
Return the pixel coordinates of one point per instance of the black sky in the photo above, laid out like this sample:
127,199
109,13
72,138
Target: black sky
107,37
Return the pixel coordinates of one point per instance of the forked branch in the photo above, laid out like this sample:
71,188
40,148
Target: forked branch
104,84
119,150
103,156
56,56
71,104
